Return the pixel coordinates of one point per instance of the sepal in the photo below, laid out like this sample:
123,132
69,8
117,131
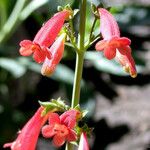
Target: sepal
83,112
55,105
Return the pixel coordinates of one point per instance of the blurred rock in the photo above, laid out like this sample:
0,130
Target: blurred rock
139,30
131,108
126,2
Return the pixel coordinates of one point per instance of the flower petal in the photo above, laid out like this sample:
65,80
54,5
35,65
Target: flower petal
132,68
47,52
70,121
48,67
124,50
49,31
101,45
56,50
127,62
25,43
7,145
119,42
47,131
39,56
53,119
110,52
124,41
69,118
58,140
108,24
25,52
26,48
71,136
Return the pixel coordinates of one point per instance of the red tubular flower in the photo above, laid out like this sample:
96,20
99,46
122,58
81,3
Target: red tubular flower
44,38
56,50
28,136
83,144
113,45
61,128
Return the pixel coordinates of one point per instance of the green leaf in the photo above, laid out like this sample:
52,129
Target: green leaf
3,12
31,7
11,21
13,66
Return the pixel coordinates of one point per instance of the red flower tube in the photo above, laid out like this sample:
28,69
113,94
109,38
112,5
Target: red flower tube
44,38
28,136
83,144
56,50
113,45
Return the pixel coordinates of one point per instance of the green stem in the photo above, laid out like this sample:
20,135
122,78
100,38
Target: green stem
79,57
77,79
79,62
94,22
82,24
69,146
71,25
93,41
72,38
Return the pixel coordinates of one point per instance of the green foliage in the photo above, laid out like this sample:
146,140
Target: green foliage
13,66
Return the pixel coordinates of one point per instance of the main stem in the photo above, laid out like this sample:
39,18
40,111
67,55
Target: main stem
79,57
77,79
79,62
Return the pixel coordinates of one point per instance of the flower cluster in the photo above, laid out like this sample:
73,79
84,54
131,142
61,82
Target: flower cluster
113,45
60,128
45,38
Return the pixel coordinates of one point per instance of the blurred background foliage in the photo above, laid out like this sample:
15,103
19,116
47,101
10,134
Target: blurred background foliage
104,88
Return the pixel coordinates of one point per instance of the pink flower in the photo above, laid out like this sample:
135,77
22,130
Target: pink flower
39,47
61,128
83,144
70,117
113,45
28,136
56,51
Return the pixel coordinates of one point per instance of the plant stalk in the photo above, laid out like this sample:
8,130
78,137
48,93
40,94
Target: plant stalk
79,57
82,24
77,79
79,62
